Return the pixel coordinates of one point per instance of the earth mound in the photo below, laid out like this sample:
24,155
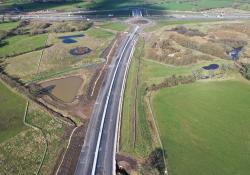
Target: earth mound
80,51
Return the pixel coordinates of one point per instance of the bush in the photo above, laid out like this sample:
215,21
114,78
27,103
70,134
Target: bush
36,31
3,34
155,161
245,71
189,32
70,26
173,81
24,23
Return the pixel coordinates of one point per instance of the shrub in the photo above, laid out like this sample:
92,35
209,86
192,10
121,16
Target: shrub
155,161
172,81
245,71
189,32
70,26
2,34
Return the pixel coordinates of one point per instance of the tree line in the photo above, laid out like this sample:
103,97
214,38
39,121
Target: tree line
172,81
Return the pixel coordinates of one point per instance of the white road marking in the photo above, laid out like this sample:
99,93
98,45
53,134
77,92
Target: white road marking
106,106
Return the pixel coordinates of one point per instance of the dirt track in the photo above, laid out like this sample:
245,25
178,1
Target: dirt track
71,157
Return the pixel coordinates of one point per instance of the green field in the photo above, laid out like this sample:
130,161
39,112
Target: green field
6,26
204,127
27,5
156,72
116,26
21,44
12,109
195,5
22,147
99,33
150,72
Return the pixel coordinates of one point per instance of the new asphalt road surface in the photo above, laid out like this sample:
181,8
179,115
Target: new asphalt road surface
97,156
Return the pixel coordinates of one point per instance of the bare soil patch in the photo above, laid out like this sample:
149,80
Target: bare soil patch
71,157
125,163
80,51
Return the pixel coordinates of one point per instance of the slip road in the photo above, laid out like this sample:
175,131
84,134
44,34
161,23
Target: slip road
98,152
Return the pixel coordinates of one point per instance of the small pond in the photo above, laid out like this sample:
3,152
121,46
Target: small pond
234,54
211,67
80,51
64,89
69,39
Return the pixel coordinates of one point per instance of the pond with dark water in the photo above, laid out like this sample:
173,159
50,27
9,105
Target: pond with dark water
234,54
69,39
211,67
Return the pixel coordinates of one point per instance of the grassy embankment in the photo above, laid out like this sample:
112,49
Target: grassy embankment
56,60
204,127
22,147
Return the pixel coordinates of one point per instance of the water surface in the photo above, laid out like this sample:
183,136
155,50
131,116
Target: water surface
65,89
211,67
69,38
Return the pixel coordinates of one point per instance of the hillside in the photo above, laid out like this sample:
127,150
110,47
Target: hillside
67,5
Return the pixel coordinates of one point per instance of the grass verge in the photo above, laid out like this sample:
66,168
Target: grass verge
142,145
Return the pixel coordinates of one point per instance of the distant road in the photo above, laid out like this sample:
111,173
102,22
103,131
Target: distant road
128,12
98,152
